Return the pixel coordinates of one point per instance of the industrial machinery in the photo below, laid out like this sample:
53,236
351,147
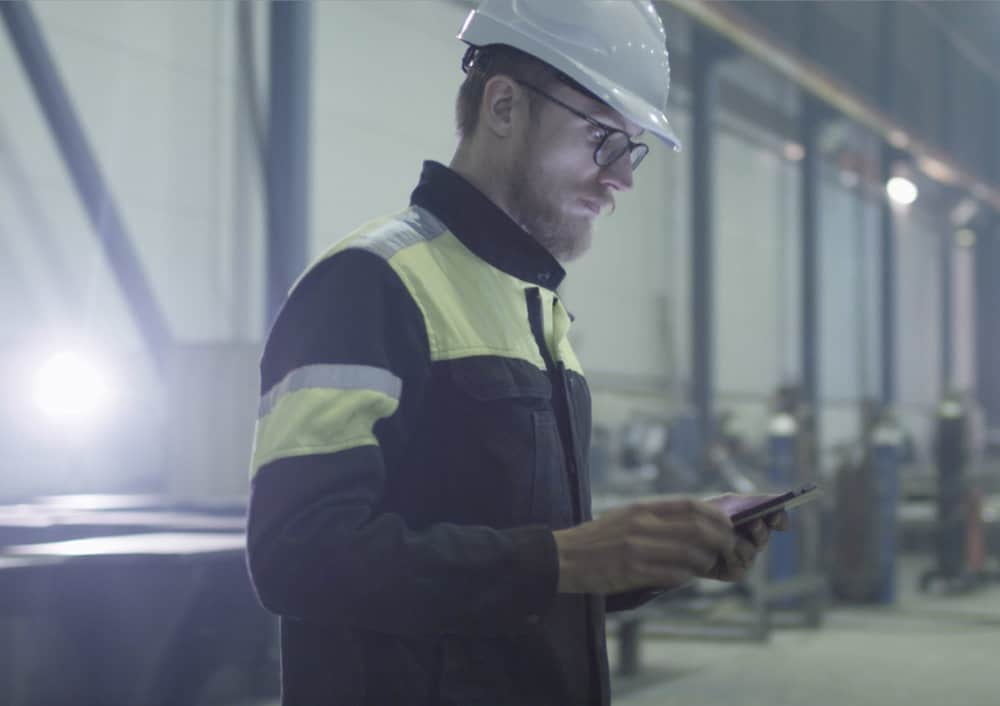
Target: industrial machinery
864,523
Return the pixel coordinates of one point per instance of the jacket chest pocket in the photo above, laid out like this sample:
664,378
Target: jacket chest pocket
515,468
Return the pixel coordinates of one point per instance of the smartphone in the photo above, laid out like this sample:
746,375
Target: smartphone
747,508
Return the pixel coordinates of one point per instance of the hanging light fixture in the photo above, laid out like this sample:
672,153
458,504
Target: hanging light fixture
901,190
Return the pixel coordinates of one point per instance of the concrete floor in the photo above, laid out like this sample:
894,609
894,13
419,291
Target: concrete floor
925,650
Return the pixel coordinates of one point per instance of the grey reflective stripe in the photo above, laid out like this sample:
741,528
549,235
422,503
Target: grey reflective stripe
424,222
415,225
340,377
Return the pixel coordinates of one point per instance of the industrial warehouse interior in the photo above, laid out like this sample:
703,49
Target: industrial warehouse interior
803,294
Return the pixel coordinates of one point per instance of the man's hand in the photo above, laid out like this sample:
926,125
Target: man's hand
750,541
659,543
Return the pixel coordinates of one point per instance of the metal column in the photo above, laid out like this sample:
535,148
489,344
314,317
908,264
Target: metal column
947,335
812,115
288,149
814,118
87,178
705,54
946,139
887,225
987,264
987,291
888,285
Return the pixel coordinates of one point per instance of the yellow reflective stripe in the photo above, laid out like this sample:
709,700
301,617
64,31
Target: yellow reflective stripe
470,307
560,332
319,421
568,357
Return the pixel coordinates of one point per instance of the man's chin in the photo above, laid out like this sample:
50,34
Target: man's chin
567,239
573,246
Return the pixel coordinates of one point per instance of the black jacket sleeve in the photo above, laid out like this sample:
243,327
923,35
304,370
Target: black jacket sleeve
320,546
630,600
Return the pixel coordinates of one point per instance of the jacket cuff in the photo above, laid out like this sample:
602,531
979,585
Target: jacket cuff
630,600
536,571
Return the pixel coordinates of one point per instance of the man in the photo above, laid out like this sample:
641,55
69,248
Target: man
420,514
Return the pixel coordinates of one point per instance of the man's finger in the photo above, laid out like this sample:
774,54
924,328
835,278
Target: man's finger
777,520
745,552
757,532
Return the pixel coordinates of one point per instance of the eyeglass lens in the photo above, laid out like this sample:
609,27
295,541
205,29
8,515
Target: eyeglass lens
617,144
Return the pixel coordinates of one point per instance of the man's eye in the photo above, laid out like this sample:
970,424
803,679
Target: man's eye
597,134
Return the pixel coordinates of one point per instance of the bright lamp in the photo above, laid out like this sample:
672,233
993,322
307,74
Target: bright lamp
69,386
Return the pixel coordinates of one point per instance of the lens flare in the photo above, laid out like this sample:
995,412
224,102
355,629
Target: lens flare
69,386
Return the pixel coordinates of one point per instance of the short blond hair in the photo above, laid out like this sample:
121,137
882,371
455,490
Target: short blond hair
483,63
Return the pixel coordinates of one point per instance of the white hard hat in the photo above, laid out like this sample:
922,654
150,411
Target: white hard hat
616,49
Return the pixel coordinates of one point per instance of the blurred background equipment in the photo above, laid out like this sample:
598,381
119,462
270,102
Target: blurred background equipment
794,557
787,587
865,517
961,523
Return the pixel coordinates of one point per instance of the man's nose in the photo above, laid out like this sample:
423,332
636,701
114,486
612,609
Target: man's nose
618,174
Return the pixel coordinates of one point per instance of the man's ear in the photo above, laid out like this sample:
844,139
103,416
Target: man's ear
498,106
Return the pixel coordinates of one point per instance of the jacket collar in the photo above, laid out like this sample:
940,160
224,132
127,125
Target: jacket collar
483,227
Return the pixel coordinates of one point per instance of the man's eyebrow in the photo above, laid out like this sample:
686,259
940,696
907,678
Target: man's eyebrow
610,121
603,114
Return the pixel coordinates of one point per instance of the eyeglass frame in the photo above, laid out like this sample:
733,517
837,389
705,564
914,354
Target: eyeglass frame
608,130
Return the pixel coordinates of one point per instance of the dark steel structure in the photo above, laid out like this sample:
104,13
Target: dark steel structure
288,149
707,51
812,122
887,229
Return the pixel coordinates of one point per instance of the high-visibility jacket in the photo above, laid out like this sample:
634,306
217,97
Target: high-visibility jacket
423,428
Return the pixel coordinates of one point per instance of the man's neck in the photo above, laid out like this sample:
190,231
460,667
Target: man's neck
491,181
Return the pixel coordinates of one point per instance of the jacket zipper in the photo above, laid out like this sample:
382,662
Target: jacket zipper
562,402
562,398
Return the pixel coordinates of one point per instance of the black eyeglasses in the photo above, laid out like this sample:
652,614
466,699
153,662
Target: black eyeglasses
615,143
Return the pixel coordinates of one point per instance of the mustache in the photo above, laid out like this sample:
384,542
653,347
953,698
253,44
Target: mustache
602,201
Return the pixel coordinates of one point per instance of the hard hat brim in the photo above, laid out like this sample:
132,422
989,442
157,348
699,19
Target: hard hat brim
632,107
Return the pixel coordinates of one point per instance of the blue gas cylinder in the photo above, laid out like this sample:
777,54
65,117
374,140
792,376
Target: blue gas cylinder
886,456
783,547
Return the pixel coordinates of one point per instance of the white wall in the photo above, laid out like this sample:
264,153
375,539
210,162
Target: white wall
918,323
849,308
385,78
756,255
